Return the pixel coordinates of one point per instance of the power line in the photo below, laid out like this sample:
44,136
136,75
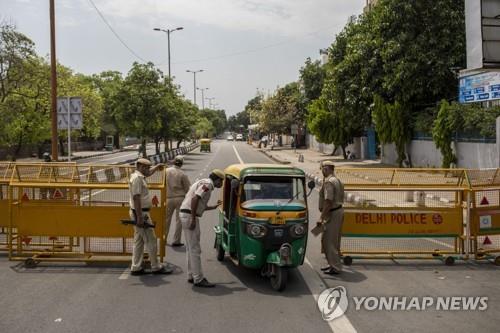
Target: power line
115,33
238,53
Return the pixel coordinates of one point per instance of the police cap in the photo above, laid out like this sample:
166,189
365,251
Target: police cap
219,173
143,161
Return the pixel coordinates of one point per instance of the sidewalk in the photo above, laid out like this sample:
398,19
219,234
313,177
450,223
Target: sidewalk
312,160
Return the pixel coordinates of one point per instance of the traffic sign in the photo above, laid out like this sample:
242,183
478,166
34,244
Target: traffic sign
69,113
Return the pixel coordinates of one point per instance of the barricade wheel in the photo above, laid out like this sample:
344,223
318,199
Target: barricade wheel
449,261
30,263
347,260
497,261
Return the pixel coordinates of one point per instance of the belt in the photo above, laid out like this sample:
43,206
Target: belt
336,208
144,209
187,211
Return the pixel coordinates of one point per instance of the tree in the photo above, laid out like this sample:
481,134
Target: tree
312,77
140,104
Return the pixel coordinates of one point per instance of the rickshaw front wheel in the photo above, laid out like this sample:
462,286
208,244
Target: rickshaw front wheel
279,278
220,252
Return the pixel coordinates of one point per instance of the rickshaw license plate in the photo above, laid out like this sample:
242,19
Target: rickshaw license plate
279,220
278,232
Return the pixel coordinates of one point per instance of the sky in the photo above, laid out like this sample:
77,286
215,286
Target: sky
242,46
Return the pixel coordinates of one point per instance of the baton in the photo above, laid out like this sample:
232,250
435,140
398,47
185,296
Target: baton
133,222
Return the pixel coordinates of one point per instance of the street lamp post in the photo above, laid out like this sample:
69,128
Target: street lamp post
194,79
202,96
210,101
168,31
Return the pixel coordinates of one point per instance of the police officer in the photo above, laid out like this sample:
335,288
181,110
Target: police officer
140,203
331,198
192,208
177,186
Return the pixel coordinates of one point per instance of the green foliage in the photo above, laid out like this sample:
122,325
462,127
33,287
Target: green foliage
312,76
445,126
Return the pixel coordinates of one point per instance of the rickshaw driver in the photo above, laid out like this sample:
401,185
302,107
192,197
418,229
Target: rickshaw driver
192,208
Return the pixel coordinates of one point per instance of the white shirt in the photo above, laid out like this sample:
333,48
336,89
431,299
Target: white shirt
202,188
137,185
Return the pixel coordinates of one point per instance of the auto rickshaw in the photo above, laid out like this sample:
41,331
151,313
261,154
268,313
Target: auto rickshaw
205,145
263,220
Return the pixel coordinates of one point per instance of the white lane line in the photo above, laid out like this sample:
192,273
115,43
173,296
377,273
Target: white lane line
238,155
440,243
316,286
85,197
124,275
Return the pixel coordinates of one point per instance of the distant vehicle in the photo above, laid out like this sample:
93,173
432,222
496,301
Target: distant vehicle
239,137
230,138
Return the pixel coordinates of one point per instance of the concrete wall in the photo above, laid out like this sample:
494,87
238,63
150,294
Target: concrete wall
313,144
425,154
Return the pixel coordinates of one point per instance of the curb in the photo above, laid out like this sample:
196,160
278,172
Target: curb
275,158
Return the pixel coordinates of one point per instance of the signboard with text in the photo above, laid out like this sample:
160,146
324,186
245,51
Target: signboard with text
479,87
69,113
400,223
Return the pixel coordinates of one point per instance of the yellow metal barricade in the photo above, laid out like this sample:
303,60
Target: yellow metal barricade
74,212
403,213
5,175
485,213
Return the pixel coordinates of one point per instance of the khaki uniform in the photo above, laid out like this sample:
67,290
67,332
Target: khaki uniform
177,186
332,189
202,188
143,237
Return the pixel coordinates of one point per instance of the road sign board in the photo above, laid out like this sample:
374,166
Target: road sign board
479,87
73,118
75,104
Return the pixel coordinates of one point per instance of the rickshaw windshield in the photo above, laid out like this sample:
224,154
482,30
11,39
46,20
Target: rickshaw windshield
273,188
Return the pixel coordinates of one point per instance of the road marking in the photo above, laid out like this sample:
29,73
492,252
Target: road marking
316,286
439,243
124,275
238,155
107,159
85,197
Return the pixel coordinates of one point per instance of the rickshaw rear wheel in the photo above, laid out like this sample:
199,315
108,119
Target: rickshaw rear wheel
220,252
30,263
279,278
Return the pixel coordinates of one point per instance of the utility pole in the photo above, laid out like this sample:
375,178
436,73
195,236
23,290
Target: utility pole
53,82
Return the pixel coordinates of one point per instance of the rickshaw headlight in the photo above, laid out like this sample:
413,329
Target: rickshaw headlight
298,230
256,230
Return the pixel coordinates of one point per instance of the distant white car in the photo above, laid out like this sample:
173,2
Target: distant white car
239,137
230,138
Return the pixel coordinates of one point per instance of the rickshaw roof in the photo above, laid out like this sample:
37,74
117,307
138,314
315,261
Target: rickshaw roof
205,140
241,170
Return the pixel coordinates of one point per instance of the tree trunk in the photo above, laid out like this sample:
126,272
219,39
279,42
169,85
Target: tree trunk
61,147
179,143
344,152
334,151
157,146
16,151
143,147
117,141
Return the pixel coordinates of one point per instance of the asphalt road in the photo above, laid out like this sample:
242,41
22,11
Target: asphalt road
103,298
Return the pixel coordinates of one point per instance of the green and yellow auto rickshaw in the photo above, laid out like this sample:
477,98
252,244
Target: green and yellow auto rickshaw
205,145
263,221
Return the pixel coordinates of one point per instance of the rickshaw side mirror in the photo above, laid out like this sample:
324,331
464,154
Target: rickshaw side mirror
311,184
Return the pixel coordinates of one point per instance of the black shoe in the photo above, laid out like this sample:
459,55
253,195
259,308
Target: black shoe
139,272
190,280
326,268
204,284
164,271
177,244
332,271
